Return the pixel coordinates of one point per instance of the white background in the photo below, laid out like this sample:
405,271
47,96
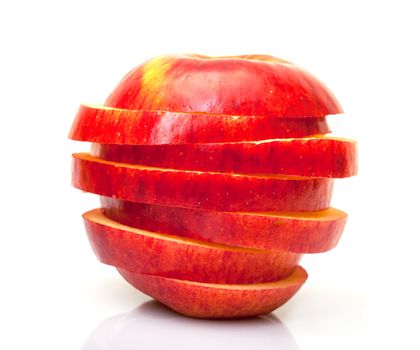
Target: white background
54,55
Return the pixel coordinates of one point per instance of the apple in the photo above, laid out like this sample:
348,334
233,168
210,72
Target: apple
313,156
298,232
170,256
103,124
248,85
215,176
194,189
207,300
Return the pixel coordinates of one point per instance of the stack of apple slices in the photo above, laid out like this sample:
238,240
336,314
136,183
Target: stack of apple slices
215,176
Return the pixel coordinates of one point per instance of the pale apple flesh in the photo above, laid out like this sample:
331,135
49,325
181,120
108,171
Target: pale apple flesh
311,156
194,189
299,232
204,300
103,124
177,257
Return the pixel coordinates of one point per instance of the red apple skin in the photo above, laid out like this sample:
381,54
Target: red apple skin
308,232
316,156
249,85
169,256
137,127
214,191
204,300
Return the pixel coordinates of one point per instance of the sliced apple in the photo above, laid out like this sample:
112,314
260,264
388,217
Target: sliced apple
176,257
205,300
299,232
103,124
243,85
194,189
315,156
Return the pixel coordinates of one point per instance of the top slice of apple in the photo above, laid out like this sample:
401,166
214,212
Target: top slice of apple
248,85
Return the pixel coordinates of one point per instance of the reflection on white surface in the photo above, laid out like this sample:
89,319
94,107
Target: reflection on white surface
153,326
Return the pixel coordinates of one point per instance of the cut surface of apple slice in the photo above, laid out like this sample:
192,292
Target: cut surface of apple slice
204,300
176,257
194,189
103,124
313,156
299,232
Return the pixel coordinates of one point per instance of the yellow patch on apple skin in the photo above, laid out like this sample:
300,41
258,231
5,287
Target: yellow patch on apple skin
154,77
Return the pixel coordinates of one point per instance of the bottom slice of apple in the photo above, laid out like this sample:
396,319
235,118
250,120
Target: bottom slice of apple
205,300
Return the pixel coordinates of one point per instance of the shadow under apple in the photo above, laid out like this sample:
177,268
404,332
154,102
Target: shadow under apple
153,326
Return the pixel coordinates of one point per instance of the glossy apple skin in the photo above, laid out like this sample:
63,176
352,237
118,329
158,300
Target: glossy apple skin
203,300
316,156
292,232
163,255
137,127
250,85
214,191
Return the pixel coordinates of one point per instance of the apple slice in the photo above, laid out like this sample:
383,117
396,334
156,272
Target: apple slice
103,124
194,189
299,232
237,85
176,257
205,300
315,156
